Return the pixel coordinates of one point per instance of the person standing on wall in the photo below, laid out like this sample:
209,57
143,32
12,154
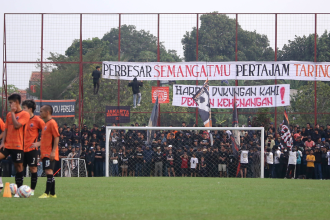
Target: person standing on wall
96,79
136,91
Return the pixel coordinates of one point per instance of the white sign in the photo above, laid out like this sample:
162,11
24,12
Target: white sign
246,96
290,70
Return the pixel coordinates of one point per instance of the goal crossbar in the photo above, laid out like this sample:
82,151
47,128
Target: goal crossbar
262,143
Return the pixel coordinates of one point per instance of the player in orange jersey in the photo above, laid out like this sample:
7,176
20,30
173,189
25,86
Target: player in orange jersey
13,137
49,148
32,129
2,129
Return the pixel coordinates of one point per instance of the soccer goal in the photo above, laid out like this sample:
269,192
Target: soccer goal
212,147
73,167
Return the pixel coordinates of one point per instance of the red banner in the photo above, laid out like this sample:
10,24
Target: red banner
163,94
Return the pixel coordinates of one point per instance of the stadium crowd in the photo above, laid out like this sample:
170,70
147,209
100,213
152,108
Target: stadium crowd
190,153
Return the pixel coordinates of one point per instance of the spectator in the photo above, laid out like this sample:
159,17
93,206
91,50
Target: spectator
244,161
62,141
324,163
90,157
96,131
114,159
136,91
131,162
76,134
67,134
170,163
85,133
256,163
316,135
277,156
95,138
184,164
310,158
76,144
222,164
73,164
98,162
269,143
147,155
291,163
328,167
269,164
309,143
124,165
158,160
193,165
96,79
139,161
284,159
299,160
317,163
202,167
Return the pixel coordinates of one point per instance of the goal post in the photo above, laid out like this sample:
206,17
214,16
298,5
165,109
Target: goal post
110,128
73,167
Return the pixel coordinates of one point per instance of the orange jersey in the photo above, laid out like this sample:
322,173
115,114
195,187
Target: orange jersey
15,137
32,132
49,133
2,125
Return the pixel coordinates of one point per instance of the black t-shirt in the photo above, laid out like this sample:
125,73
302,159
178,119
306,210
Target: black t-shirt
139,154
63,154
125,160
205,142
158,157
202,164
223,155
98,153
96,75
83,155
170,156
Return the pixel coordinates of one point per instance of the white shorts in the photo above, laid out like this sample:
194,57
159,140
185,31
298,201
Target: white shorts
222,167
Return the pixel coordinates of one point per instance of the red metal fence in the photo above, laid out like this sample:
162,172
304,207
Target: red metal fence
71,45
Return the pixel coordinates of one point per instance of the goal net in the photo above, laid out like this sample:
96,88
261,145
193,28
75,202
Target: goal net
185,151
73,167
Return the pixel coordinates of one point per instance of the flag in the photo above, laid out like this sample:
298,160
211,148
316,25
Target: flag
152,122
202,99
285,132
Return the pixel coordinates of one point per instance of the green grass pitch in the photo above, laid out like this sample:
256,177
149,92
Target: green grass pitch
173,198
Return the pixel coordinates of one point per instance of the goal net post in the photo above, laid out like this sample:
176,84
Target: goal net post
197,131
73,167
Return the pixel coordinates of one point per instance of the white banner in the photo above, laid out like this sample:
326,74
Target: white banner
291,70
246,96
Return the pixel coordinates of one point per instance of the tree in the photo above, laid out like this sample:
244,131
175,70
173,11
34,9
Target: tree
303,102
136,46
216,41
10,90
302,48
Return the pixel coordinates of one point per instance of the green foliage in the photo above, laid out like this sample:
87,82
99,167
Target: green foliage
139,46
263,117
10,90
302,48
216,41
304,102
